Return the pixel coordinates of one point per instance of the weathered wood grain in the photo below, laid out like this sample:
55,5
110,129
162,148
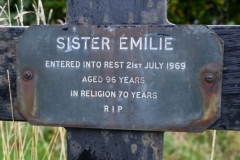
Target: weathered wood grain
104,12
230,117
8,42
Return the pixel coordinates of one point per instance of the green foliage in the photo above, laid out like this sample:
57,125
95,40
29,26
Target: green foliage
21,141
198,146
179,11
204,12
59,9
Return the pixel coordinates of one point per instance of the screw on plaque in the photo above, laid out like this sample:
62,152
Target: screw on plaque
209,78
27,76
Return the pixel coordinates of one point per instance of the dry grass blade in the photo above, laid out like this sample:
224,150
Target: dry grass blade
10,94
15,128
3,19
27,146
49,16
21,13
14,146
5,13
54,143
60,21
36,12
39,11
213,144
20,19
62,138
3,10
9,15
3,140
20,141
51,145
34,148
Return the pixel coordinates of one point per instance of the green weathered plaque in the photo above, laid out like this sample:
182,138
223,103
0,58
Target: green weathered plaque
156,78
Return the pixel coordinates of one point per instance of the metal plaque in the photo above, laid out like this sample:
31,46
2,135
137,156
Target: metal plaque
153,78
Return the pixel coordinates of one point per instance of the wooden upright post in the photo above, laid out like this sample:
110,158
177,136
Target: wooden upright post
108,144
104,12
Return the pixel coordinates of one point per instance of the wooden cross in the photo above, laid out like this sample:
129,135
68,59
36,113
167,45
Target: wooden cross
115,144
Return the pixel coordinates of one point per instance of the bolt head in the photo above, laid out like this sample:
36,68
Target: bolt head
209,78
27,75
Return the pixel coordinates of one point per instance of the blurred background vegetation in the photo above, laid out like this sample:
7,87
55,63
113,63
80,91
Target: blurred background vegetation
204,11
179,11
22,141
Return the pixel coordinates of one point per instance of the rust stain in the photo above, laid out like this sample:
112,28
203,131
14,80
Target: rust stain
28,99
211,93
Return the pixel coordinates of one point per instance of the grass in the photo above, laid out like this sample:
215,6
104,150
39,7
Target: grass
198,146
21,141
7,18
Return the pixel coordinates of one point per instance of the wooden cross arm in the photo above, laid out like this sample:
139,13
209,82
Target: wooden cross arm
230,116
8,59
